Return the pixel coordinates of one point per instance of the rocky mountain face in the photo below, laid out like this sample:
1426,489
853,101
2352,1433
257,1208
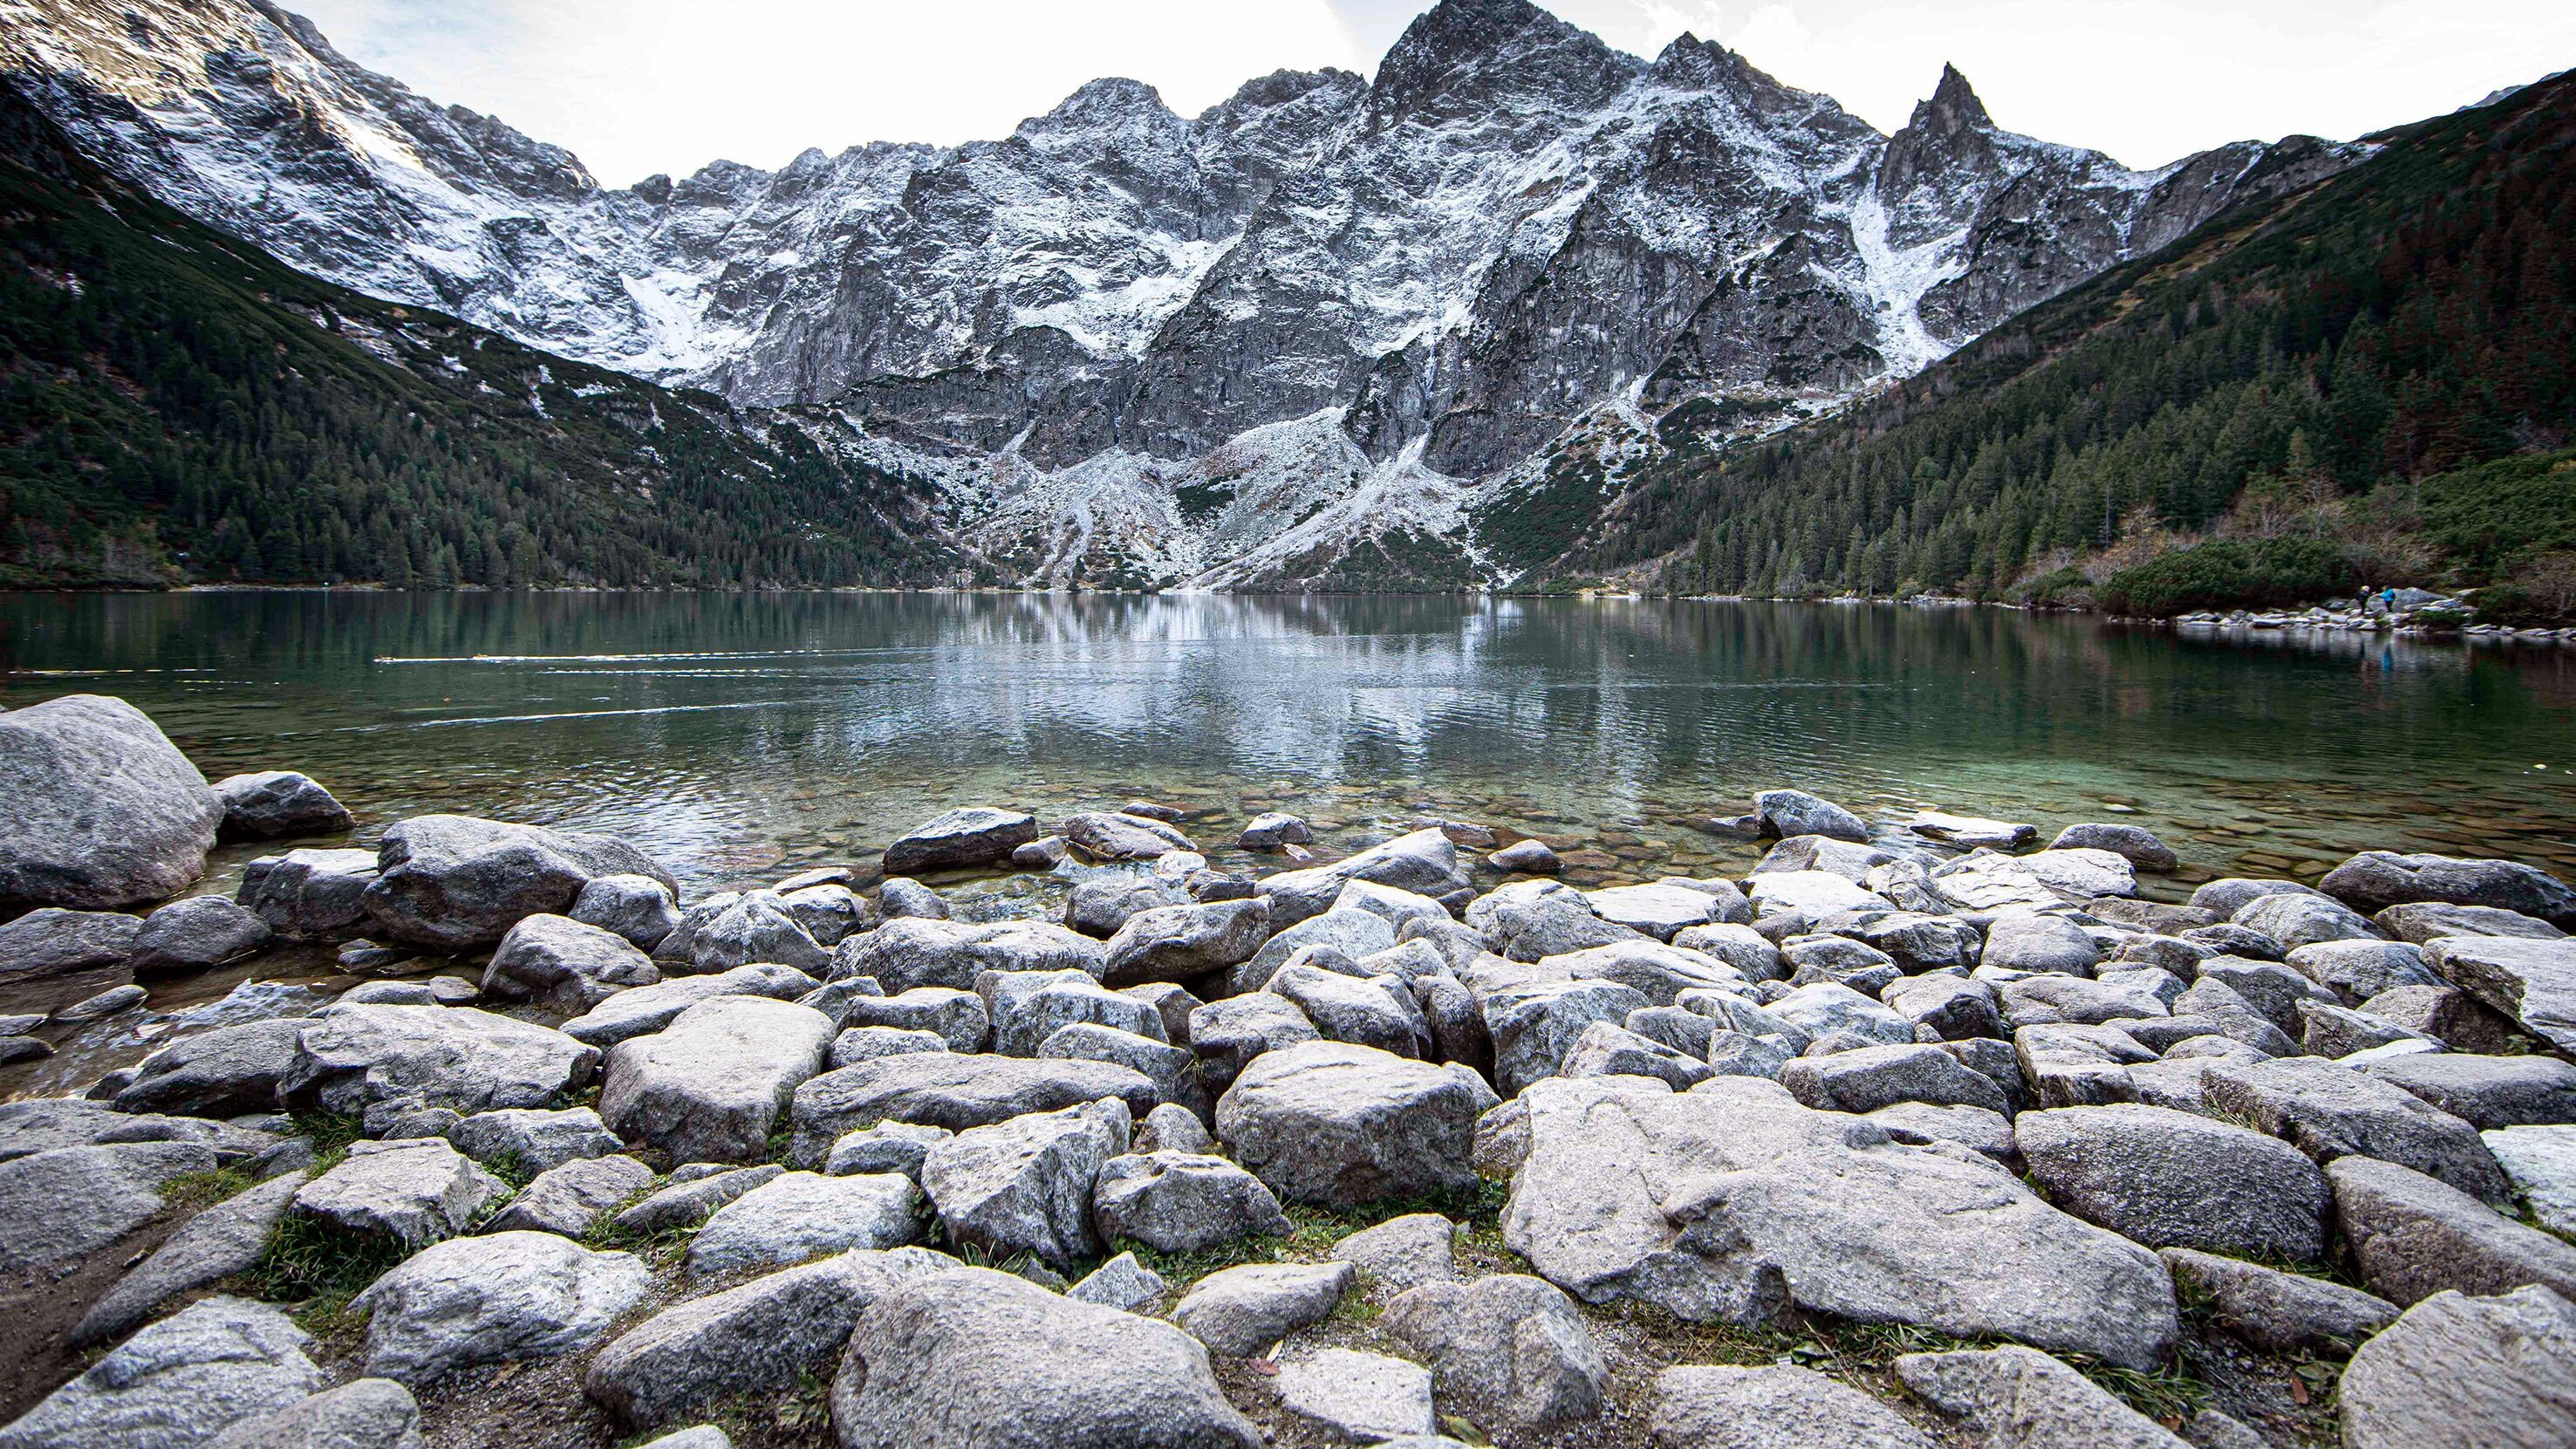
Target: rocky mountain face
1320,335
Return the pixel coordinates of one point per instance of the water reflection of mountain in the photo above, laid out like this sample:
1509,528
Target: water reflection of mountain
686,716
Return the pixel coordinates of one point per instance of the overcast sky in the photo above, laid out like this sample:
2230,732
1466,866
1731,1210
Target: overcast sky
639,86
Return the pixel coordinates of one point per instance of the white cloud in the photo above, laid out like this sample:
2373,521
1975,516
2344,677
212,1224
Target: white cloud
638,86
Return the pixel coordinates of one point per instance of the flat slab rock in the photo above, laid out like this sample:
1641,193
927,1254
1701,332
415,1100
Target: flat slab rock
492,1299
571,1199
796,1215
2175,1179
2414,1236
759,1336
2533,982
710,1086
2019,1398
225,1239
977,1357
954,1090
61,1206
973,835
360,1414
1705,1203
419,1190
1404,1252
177,1382
1362,1396
2541,1163
1782,1407
2275,1311
466,1060
2330,1111
2466,1373
1242,1311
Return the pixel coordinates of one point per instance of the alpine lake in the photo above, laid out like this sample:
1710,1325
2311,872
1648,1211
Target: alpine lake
742,737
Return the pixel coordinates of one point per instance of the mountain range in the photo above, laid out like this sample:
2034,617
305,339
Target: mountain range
1419,330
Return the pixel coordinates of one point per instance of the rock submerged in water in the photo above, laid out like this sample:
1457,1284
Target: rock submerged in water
272,803
975,835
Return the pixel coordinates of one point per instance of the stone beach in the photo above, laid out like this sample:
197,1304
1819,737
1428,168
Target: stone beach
1103,1120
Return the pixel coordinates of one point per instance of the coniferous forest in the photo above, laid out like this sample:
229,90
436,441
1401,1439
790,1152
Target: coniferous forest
177,407
2366,383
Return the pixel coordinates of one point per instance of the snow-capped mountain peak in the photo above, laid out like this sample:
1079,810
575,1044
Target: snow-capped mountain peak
1400,290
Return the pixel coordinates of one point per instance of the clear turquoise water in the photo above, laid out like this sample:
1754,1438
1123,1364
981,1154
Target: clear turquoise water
730,733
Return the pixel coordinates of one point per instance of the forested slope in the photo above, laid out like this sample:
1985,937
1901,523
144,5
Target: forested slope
176,406
2331,367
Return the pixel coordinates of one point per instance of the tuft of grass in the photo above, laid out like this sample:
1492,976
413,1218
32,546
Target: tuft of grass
315,1268
661,1249
2169,1393
512,1169
330,1133
193,1192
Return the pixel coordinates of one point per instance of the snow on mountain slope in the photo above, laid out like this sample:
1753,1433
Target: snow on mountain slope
1331,332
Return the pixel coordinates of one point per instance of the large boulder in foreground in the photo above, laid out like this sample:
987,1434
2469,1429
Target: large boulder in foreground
456,883
975,1357
1708,1204
97,807
180,1381
1339,1125
2465,1373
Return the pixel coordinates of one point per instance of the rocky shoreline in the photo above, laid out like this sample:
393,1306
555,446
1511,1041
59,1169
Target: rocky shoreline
1920,1132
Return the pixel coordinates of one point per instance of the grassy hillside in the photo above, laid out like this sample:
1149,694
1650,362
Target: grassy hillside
2316,383
175,406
